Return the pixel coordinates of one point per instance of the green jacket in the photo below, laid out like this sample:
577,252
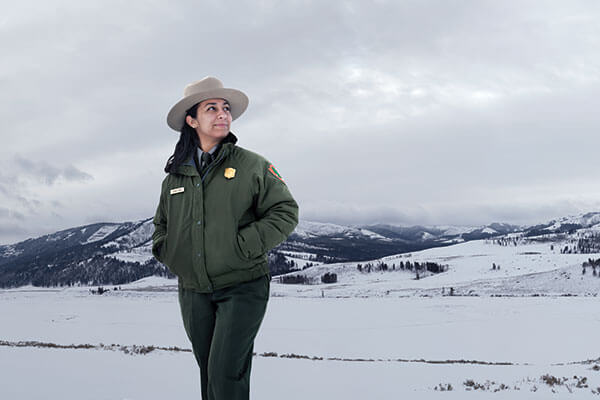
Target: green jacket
215,231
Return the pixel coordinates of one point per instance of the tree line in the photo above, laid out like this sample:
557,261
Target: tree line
593,264
416,267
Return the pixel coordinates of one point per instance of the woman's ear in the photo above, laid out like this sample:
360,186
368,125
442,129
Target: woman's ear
189,120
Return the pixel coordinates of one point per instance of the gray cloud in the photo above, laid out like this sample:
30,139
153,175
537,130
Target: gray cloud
43,172
407,112
6,213
4,190
71,173
32,205
13,231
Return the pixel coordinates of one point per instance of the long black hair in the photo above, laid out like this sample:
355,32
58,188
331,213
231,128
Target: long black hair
187,145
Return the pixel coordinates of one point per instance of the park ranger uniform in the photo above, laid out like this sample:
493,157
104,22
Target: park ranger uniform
213,230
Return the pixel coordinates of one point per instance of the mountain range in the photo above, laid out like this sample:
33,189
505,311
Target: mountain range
117,253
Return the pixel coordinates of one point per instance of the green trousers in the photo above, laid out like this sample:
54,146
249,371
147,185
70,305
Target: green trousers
222,327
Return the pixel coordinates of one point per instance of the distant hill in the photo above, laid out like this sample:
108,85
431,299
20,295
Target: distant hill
511,265
117,253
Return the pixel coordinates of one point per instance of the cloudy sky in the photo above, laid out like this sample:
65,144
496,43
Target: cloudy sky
405,112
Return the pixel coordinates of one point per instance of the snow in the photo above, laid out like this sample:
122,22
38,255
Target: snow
454,230
553,227
585,220
378,335
537,335
372,235
151,282
489,230
526,269
592,229
427,236
102,232
134,238
58,374
141,254
308,229
11,251
301,262
297,254
300,258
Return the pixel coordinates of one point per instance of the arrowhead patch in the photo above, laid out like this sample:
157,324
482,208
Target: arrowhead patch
275,172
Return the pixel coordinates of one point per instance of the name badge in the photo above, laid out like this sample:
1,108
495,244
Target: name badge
177,190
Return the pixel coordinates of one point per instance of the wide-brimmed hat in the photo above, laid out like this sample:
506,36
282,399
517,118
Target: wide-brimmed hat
207,88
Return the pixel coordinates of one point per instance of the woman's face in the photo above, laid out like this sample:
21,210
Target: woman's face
213,119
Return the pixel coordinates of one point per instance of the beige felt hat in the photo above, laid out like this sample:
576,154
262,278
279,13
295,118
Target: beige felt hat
207,88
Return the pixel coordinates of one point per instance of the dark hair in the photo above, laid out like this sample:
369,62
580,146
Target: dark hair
187,144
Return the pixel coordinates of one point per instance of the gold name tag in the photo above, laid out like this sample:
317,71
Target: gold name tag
177,190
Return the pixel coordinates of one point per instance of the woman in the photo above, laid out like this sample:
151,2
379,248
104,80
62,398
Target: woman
221,209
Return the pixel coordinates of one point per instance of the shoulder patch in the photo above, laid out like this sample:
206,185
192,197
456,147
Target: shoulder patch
275,172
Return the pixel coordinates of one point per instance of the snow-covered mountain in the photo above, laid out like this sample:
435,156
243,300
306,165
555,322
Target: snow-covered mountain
116,253
99,253
307,229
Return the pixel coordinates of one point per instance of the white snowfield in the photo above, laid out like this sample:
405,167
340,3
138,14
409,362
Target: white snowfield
525,269
308,229
102,232
141,254
368,347
134,238
378,335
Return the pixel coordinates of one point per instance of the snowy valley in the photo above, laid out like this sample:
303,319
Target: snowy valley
511,316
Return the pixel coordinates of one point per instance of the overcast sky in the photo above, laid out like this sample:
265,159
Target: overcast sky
404,112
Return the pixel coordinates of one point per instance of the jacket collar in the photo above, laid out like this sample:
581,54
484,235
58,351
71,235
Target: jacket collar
224,148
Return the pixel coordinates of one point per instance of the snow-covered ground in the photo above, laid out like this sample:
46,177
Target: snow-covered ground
405,345
510,333
141,254
525,269
301,259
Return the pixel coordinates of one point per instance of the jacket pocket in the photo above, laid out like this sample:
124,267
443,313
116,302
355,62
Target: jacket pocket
248,243
237,248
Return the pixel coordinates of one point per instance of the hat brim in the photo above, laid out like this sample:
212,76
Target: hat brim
238,102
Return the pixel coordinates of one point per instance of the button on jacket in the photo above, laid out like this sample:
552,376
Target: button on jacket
215,230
